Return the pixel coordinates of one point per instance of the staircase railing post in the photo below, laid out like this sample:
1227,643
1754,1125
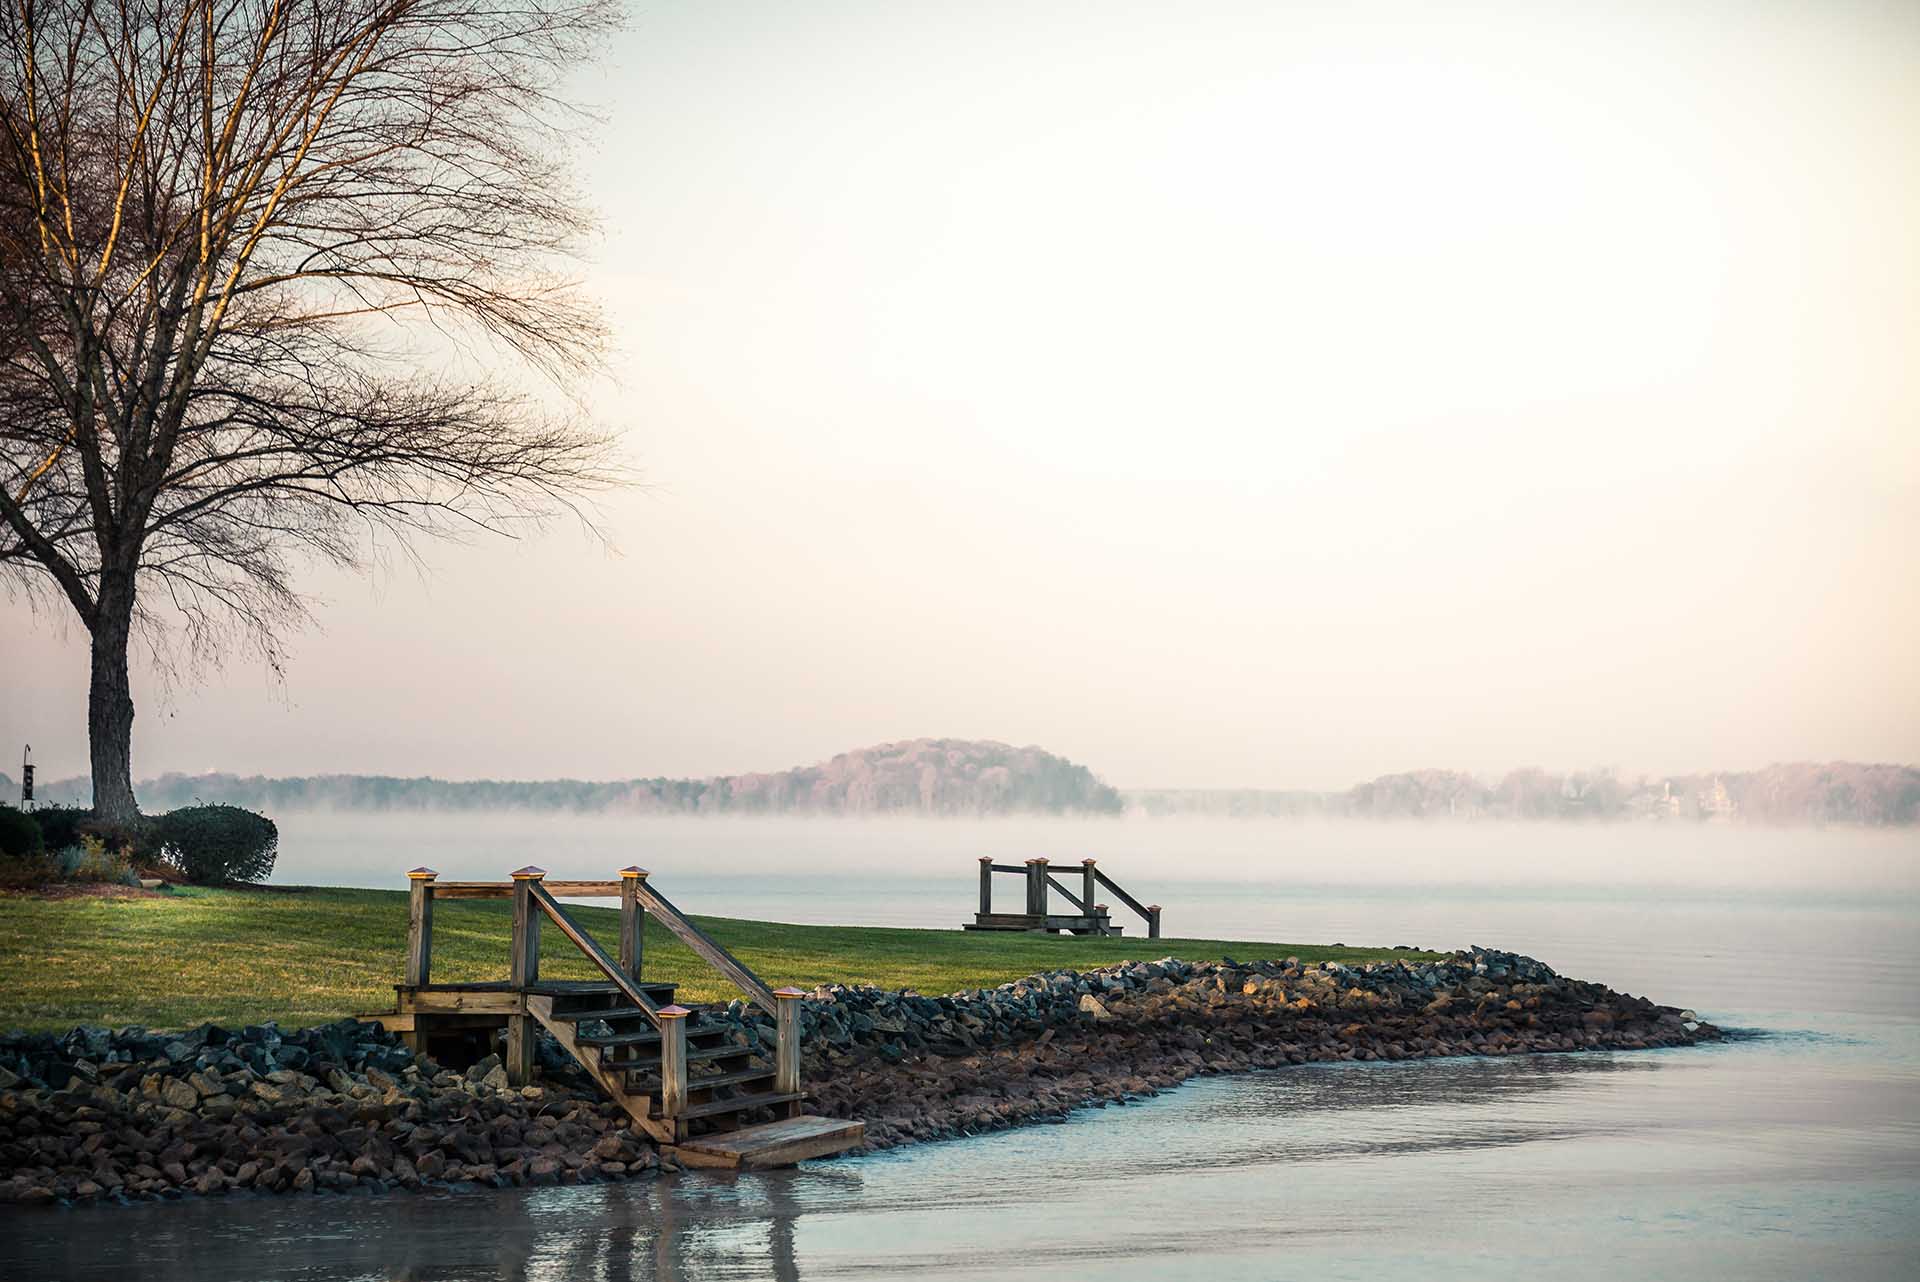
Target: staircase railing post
1153,921
524,973
1087,885
633,921
986,884
419,925
786,1060
673,1062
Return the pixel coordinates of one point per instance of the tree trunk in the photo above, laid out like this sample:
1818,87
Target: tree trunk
110,707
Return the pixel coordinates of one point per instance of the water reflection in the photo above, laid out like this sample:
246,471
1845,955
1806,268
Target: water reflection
911,1204
686,1227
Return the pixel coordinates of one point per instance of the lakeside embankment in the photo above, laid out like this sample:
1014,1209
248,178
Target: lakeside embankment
306,955
344,1107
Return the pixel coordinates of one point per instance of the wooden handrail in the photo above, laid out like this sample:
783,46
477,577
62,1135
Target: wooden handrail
504,889
707,948
596,954
1014,868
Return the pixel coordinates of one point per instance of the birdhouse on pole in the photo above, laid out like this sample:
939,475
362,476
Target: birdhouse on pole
26,778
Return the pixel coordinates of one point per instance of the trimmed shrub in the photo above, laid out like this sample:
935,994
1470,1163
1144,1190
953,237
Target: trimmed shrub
61,826
217,843
26,874
19,834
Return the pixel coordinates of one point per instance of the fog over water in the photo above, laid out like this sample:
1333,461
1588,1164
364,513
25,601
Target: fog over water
772,861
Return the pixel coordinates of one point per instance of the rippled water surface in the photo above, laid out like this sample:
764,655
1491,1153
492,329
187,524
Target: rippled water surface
1792,1151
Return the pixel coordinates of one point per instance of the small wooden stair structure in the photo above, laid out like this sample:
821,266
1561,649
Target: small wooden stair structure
704,1097
1091,918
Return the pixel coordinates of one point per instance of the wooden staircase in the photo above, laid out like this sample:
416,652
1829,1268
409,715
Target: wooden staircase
687,1083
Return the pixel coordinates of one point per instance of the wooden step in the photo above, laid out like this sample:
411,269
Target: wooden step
648,1036
575,992
738,1077
645,1074
739,1104
606,1041
609,1014
771,1144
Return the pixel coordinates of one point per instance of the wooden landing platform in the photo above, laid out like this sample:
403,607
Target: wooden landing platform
448,1006
771,1144
1072,924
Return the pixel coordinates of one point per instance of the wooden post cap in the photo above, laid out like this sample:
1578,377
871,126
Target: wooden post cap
633,870
421,874
1153,908
1036,861
986,859
675,1011
789,993
1089,862
529,873
1099,908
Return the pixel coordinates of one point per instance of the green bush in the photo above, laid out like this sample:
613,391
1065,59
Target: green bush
61,826
216,843
19,834
27,872
94,860
137,841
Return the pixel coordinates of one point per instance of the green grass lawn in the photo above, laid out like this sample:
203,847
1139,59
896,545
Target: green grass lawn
306,955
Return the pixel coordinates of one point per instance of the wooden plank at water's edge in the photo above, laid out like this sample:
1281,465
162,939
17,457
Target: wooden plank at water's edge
773,1143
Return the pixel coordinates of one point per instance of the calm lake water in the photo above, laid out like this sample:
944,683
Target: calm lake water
1792,1152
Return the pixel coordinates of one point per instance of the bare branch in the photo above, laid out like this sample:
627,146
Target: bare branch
233,236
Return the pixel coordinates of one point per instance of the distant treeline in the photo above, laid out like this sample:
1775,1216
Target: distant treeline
969,777
922,776
1794,793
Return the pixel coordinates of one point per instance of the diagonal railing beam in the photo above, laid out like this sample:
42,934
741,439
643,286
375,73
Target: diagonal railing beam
596,954
1072,898
1150,912
707,948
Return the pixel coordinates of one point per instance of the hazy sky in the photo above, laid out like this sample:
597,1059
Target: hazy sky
1254,394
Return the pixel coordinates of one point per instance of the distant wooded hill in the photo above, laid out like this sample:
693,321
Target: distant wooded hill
1793,793
920,776
972,777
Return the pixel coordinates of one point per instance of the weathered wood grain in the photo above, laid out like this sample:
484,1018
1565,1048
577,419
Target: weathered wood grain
707,948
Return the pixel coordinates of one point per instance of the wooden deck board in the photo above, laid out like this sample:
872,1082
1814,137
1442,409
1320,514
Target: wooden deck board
782,1143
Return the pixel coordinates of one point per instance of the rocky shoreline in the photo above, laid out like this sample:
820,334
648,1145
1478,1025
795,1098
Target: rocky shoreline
129,1115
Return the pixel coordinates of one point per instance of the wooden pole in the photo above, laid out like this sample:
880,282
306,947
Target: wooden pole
986,884
673,1062
633,921
526,929
786,1064
419,925
1087,890
1153,921
525,972
1037,888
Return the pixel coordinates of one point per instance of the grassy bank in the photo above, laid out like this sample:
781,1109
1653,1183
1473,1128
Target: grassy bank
308,955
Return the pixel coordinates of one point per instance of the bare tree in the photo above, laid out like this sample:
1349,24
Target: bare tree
237,239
